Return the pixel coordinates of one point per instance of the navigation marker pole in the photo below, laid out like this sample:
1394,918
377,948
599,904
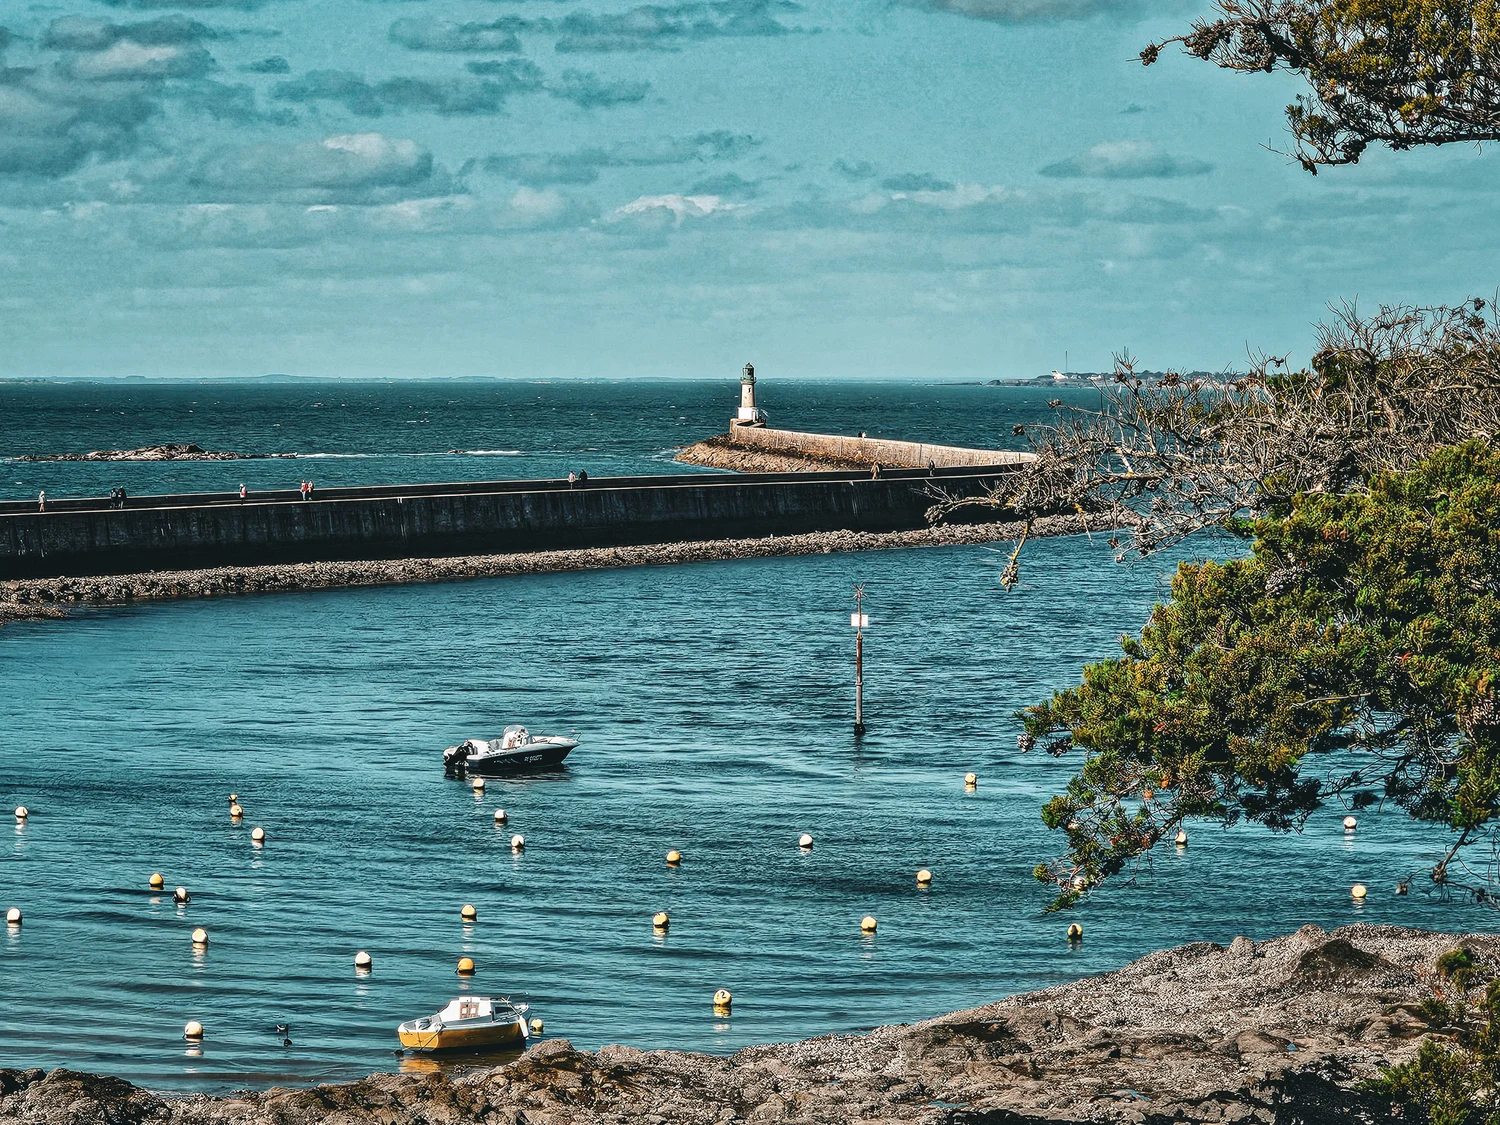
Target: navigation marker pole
860,622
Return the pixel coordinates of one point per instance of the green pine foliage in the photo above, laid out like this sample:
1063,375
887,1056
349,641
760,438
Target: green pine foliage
1363,625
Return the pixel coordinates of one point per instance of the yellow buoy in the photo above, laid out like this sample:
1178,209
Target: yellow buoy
1181,840
465,966
235,811
258,835
500,817
805,840
200,936
536,1025
674,857
1358,890
660,921
723,999
1075,932
867,923
22,812
1350,824
363,960
234,798
970,780
181,896
13,916
518,843
193,1030
478,784
1146,794
156,882
468,913
924,877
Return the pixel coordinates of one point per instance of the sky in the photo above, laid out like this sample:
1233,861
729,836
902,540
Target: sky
925,189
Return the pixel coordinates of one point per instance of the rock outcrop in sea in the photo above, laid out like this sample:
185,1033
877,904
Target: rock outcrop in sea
1282,1032
172,451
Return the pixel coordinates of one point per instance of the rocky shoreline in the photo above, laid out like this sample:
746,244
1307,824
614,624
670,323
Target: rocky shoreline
719,452
1283,1031
172,451
39,598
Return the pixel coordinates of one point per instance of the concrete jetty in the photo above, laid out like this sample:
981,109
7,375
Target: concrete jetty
92,536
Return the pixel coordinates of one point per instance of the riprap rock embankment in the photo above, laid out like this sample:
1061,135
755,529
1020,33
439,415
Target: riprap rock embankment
1278,1032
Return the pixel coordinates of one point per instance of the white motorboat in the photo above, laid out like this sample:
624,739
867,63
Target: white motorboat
468,1022
516,749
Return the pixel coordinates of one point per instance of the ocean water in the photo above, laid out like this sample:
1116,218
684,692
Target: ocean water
714,706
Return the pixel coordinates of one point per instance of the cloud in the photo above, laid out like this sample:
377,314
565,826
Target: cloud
348,168
228,103
446,35
584,165
589,91
680,207
916,181
128,60
447,96
655,27
727,185
153,5
863,170
273,65
1031,11
1126,160
50,126
90,33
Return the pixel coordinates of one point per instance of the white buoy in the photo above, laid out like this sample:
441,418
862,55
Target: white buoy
193,1030
1075,932
537,1025
660,920
723,999
805,840
234,798
468,913
156,882
478,784
180,896
674,857
500,817
200,936
1350,823
258,835
924,877
13,916
867,923
971,780
1358,891
22,812
518,843
363,961
1181,840
235,812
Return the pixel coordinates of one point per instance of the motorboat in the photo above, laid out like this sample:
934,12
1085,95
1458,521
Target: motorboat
466,1023
516,749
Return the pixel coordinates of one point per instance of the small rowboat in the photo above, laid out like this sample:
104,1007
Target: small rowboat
467,1023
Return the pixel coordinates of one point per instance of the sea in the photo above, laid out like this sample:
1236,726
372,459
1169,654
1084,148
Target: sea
714,707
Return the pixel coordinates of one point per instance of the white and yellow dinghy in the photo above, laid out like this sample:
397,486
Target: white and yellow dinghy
467,1023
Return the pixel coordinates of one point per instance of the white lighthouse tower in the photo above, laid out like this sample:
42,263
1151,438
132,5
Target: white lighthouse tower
749,414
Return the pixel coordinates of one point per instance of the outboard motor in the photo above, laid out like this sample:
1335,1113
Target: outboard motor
455,758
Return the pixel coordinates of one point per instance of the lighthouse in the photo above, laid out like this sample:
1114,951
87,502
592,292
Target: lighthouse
749,414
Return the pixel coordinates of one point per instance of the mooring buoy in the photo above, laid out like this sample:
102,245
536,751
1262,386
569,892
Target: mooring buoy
200,936
258,835
660,920
363,960
156,882
1358,891
181,897
805,841
867,923
518,843
500,817
924,877
22,812
468,913
674,857
722,1000
1075,932
193,1030
465,966
13,916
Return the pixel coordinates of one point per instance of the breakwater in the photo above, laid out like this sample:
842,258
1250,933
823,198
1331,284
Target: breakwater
1276,1031
763,449
92,537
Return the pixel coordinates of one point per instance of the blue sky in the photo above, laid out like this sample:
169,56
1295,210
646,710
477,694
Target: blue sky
937,189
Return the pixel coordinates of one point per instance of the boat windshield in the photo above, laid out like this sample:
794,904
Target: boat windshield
515,735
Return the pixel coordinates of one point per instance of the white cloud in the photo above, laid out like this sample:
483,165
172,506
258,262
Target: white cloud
1127,160
681,206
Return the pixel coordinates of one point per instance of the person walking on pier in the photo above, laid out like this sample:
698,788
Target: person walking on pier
41,500
242,492
572,479
302,488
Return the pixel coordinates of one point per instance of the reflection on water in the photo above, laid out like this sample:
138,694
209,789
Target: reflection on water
714,702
